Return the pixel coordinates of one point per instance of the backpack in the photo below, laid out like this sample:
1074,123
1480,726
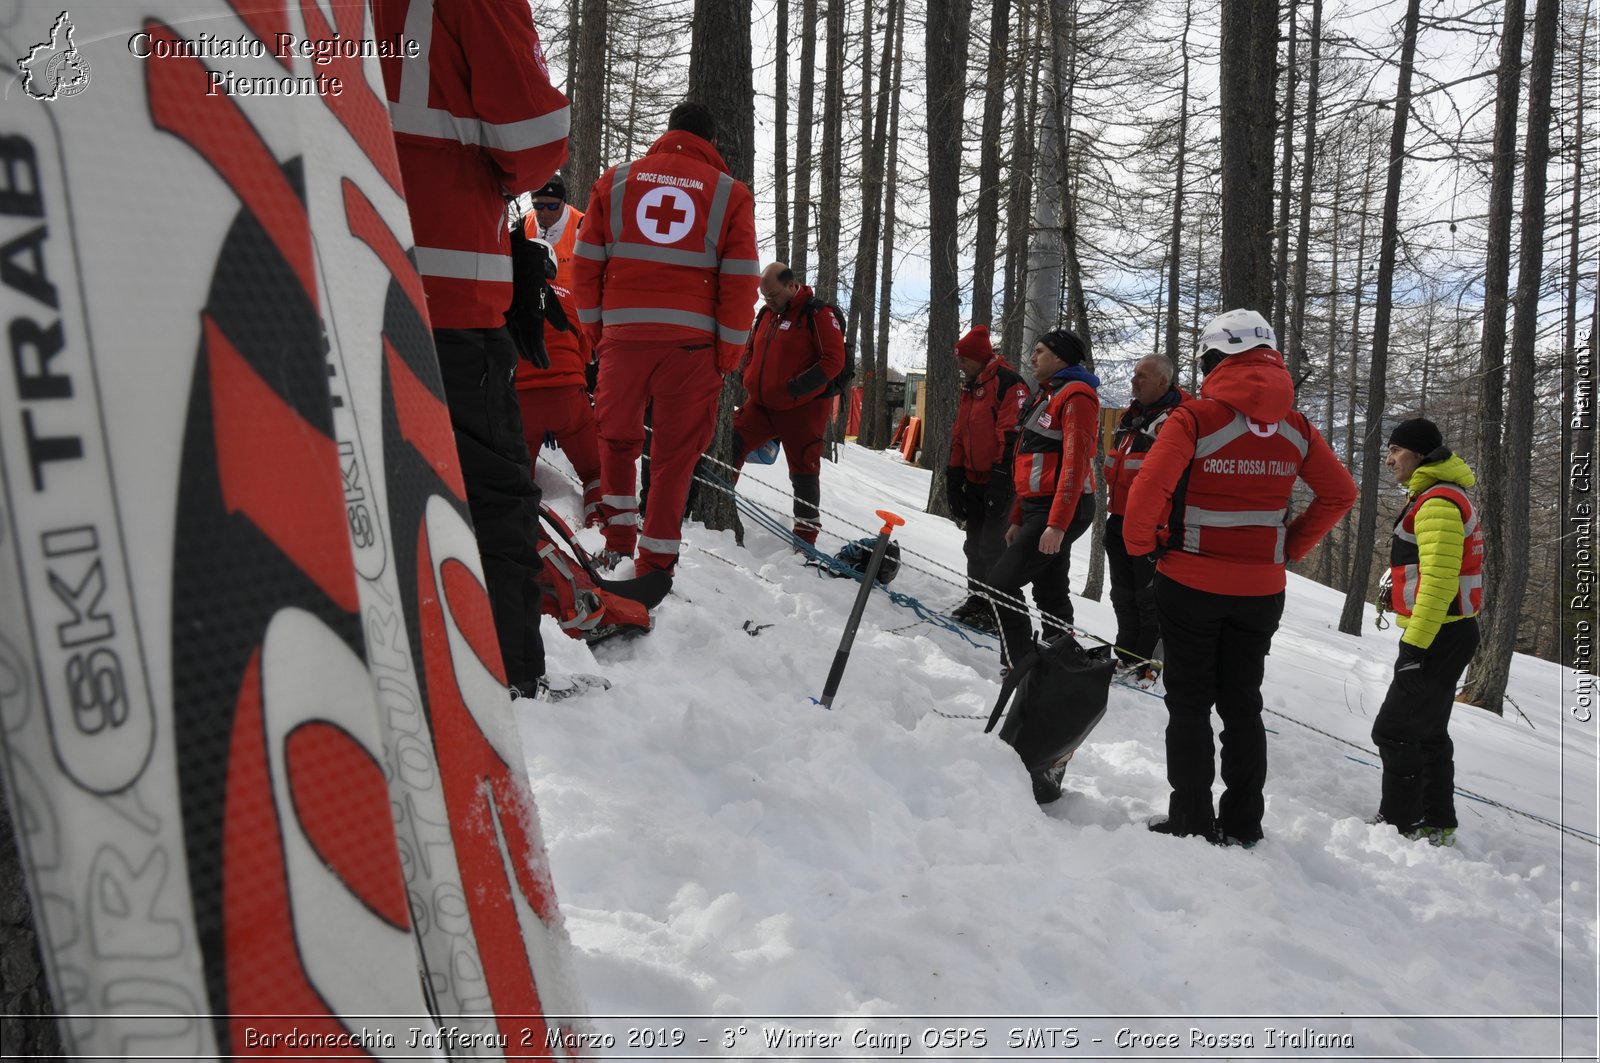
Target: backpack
586,605
1058,694
855,557
841,383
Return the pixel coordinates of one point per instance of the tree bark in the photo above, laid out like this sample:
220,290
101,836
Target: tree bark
780,139
720,78
863,303
1294,343
1492,668
1249,68
588,85
1326,550
1021,200
945,51
1366,524
1491,469
800,239
1280,273
988,222
880,411
826,282
1175,242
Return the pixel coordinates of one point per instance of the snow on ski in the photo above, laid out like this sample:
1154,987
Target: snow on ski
256,736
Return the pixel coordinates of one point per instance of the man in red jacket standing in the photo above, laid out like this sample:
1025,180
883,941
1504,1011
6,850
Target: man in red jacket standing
1133,594
665,274
1223,541
469,134
555,400
978,474
796,350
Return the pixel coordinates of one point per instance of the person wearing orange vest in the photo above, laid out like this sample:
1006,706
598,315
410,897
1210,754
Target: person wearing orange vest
795,351
665,275
555,399
1053,475
476,120
1133,595
1435,587
978,474
1212,501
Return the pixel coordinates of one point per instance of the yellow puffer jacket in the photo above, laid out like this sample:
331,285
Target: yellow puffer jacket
1440,545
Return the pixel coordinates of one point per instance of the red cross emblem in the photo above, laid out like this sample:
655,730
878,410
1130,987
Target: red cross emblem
665,215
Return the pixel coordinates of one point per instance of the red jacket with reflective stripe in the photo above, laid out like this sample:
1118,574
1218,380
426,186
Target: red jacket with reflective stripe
468,134
1436,554
990,405
569,351
1136,433
1055,451
1217,483
667,250
795,344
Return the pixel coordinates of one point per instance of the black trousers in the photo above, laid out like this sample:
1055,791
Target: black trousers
988,508
478,366
1133,596
1216,654
1022,564
1412,733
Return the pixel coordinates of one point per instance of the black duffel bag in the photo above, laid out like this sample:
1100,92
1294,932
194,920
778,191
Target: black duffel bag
1058,694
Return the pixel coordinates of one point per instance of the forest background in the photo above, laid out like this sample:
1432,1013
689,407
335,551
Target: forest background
1405,190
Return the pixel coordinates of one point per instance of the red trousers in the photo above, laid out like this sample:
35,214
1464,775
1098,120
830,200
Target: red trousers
563,414
682,385
800,431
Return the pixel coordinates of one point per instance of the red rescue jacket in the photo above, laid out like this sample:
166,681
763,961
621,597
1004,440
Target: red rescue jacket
1136,434
804,344
990,405
468,134
667,251
1218,479
1055,451
1406,560
569,352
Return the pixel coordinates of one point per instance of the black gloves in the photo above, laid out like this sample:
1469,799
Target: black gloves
532,301
998,492
955,479
807,383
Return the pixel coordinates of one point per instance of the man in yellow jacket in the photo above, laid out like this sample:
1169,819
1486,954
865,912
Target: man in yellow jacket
1436,590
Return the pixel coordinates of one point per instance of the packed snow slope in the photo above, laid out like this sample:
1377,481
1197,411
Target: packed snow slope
724,847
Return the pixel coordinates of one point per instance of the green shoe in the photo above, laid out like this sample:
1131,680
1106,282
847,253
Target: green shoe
1445,836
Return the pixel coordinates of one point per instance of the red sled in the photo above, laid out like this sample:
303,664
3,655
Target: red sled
586,605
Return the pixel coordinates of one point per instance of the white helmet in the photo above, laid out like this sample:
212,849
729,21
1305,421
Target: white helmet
1235,331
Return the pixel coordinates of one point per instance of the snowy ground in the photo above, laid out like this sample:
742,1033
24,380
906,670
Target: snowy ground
737,864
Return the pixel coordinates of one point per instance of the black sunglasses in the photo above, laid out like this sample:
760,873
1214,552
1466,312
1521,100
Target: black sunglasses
548,206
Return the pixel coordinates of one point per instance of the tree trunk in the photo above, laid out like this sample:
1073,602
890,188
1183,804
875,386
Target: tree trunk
945,51
1249,65
1294,343
588,91
1353,382
1017,210
1175,242
863,305
1491,470
1326,550
780,139
1492,667
720,78
1076,313
800,241
879,413
988,225
1280,273
1355,598
1047,253
826,282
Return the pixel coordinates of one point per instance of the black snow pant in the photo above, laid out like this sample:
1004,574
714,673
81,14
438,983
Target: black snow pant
1022,564
478,367
1412,733
988,508
1216,654
1133,597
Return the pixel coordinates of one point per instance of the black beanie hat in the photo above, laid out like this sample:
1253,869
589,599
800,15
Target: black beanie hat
555,188
1418,434
1067,346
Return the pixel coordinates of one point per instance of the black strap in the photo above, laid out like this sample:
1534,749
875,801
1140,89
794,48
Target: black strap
1008,686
